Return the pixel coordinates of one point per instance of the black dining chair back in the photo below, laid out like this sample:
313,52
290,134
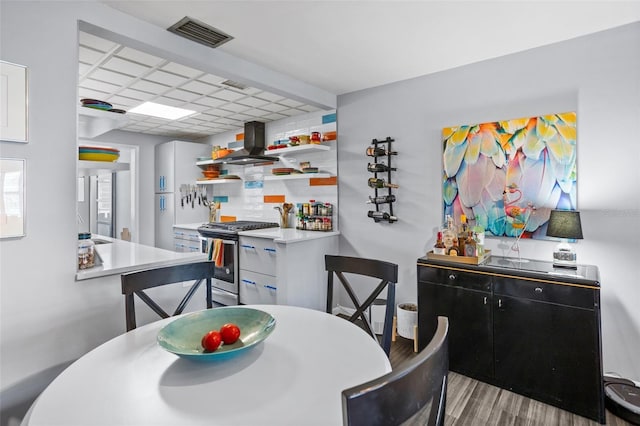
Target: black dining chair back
134,283
415,392
386,272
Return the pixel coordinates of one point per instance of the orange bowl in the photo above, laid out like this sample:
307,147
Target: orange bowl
329,136
221,153
211,174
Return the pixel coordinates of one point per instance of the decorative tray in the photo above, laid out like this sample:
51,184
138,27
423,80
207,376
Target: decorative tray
460,259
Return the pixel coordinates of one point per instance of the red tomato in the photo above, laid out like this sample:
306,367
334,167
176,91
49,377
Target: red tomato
230,333
211,341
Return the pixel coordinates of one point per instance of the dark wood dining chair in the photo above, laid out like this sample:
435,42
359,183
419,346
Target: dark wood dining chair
386,272
134,283
415,392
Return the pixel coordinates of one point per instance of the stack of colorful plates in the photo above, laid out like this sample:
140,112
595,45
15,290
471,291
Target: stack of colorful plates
96,104
282,171
98,153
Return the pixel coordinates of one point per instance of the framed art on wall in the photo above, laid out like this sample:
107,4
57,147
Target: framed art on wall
507,176
13,102
12,197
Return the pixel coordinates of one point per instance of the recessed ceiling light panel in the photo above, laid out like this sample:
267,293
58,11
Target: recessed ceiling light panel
162,111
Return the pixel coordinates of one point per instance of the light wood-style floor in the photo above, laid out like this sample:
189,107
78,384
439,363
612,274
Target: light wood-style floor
474,403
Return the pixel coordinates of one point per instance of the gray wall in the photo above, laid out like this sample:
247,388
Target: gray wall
598,76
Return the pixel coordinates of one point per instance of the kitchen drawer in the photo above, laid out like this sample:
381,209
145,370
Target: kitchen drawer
258,255
453,277
186,246
256,288
186,234
545,292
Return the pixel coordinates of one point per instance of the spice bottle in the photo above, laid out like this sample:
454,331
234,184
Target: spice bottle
86,251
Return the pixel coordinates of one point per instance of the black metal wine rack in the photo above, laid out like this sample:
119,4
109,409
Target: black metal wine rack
379,200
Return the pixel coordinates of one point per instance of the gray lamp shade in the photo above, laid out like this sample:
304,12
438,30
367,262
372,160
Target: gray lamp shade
564,224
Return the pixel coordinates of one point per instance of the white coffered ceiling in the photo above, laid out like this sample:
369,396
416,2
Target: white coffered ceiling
336,45
125,78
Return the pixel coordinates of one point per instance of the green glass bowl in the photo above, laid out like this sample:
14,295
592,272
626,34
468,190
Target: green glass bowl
183,336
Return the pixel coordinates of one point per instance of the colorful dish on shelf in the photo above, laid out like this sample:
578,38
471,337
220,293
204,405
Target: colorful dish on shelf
279,171
93,156
98,153
220,153
96,104
211,174
183,336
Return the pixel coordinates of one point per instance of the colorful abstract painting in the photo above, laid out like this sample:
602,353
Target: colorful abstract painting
507,176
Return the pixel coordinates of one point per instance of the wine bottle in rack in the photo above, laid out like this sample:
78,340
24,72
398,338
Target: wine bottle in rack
374,151
378,167
381,199
377,216
381,183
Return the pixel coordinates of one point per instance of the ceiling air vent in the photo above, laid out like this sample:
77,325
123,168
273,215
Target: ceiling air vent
234,84
199,32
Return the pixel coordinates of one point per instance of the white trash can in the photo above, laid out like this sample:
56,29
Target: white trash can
407,319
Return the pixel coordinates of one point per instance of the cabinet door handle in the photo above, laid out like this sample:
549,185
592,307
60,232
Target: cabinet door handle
247,246
485,300
452,277
272,250
270,287
538,290
499,303
248,282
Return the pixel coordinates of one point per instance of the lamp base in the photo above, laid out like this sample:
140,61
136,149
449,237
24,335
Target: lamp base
563,258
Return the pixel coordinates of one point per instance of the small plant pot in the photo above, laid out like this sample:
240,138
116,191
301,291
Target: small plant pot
407,319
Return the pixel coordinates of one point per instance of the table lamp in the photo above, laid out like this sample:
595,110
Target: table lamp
564,224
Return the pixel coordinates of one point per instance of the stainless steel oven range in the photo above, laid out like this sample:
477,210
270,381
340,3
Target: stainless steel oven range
225,286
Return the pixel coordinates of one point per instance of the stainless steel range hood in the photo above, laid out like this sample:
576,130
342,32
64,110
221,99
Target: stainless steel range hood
254,144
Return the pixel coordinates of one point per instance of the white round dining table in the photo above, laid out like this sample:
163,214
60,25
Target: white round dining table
294,377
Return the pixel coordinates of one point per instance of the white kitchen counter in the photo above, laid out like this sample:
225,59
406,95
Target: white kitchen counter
190,226
121,256
288,235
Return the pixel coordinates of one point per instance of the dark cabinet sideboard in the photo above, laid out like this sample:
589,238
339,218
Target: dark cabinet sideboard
520,325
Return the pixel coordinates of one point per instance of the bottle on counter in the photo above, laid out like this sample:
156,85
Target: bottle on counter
86,251
454,250
462,234
470,246
439,247
381,183
448,233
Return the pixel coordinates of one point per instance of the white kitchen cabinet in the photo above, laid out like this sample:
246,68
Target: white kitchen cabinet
258,255
285,267
258,288
175,164
175,168
186,240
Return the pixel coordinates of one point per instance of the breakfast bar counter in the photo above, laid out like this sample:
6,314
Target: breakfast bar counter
119,256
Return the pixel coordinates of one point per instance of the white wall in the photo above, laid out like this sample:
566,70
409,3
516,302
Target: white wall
247,203
598,76
47,318
146,155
